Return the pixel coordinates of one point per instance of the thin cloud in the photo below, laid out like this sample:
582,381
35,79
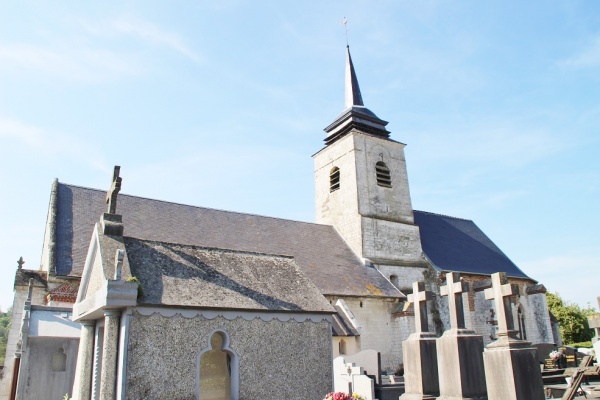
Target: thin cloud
589,57
550,271
72,63
13,129
47,144
501,198
153,33
491,142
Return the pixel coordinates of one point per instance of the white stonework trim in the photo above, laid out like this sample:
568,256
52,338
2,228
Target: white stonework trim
113,295
346,310
89,264
231,315
122,360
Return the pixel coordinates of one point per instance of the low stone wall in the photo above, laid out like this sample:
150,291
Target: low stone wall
277,359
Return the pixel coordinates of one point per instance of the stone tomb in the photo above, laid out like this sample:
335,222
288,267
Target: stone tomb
459,350
511,365
419,350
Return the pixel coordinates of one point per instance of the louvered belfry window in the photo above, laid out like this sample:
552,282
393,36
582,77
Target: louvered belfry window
383,174
334,179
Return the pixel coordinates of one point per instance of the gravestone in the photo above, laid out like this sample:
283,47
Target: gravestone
570,359
350,378
369,360
511,366
419,352
459,350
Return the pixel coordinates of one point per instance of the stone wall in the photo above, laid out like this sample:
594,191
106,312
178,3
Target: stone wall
43,378
351,345
380,330
290,360
480,314
14,333
338,208
406,276
377,222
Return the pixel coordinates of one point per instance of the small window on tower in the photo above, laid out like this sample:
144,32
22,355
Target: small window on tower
383,174
334,179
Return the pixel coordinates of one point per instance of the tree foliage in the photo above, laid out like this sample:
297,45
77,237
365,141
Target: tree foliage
4,327
572,318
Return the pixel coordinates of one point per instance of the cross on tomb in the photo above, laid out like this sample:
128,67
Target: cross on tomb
419,297
500,292
20,262
454,289
115,187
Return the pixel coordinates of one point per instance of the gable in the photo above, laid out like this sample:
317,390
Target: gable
317,249
183,275
455,244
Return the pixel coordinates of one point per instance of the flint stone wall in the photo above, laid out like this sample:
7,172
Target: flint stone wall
290,360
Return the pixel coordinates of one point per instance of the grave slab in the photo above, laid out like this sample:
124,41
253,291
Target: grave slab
420,352
511,365
459,350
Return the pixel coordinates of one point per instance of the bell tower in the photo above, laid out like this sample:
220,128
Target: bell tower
362,184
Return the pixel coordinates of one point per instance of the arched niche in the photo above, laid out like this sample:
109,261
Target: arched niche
217,369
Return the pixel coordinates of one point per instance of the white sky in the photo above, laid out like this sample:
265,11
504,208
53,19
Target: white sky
221,104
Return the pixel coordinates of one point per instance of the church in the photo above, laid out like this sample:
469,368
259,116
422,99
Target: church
145,278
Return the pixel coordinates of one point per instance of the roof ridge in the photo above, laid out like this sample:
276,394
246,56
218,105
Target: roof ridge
194,206
443,215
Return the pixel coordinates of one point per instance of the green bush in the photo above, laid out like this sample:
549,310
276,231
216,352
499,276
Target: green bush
4,328
140,292
587,345
572,319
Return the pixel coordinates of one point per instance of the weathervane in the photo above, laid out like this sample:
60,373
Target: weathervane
345,23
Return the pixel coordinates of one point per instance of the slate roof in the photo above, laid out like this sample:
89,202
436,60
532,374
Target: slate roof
184,275
22,277
317,249
455,244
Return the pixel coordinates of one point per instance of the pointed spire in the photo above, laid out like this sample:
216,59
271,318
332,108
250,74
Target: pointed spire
355,115
353,96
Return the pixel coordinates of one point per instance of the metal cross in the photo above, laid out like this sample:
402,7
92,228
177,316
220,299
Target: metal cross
500,292
115,187
20,262
345,23
419,298
454,289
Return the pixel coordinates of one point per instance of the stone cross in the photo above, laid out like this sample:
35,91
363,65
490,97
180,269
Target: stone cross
419,298
115,187
454,289
500,292
119,256
20,262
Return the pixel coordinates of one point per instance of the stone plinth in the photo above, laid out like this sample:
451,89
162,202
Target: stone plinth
513,371
511,365
420,367
460,365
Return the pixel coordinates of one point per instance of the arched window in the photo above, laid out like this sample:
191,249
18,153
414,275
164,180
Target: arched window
334,179
383,174
217,370
59,360
342,347
394,280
